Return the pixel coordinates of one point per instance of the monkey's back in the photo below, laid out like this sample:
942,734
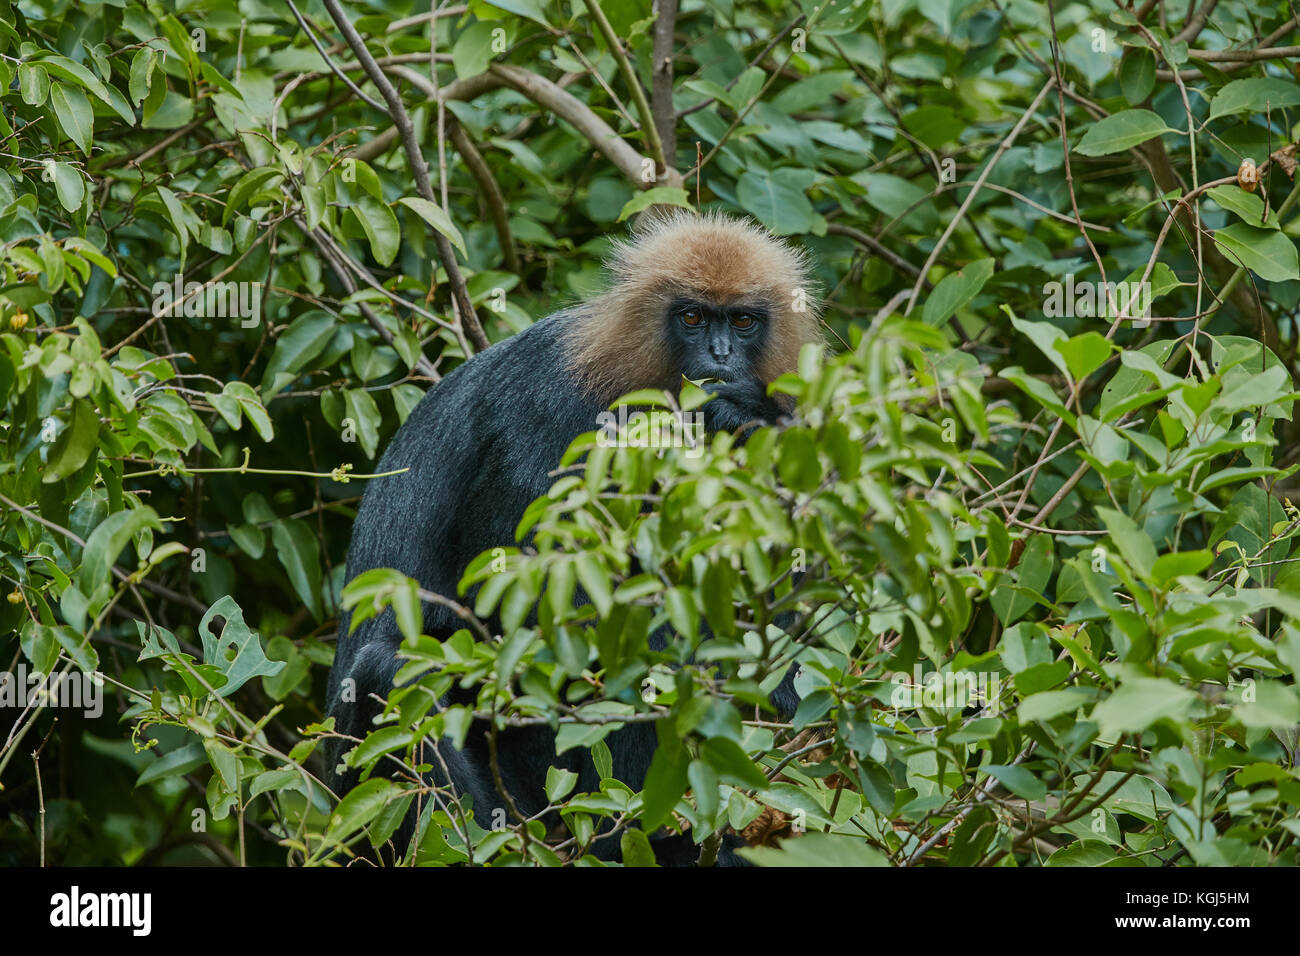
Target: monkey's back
502,440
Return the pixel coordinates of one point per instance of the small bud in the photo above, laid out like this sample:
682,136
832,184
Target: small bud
1247,175
18,321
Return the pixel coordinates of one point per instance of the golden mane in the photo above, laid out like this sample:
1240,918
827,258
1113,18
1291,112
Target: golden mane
618,342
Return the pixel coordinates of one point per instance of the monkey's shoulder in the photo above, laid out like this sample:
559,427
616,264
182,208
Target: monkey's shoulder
525,374
515,402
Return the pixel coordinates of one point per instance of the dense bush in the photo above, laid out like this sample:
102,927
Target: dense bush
1030,522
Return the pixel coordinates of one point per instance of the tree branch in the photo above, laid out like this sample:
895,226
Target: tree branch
340,269
970,197
648,127
491,192
466,89
590,126
419,169
661,74
334,67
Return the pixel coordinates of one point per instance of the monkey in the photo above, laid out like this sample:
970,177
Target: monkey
708,297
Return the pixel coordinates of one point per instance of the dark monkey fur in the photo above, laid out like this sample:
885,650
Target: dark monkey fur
709,297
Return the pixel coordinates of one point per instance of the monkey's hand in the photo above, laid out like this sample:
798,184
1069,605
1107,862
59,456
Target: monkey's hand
740,405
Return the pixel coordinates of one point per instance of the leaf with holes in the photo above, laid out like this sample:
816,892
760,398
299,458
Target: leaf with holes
237,652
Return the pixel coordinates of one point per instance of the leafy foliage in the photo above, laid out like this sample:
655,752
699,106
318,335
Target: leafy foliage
1031,532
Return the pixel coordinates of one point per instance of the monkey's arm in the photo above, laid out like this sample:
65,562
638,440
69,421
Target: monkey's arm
742,404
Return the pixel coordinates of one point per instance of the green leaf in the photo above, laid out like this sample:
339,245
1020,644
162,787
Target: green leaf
1137,74
433,214
1121,131
361,805
1140,702
1018,780
636,849
1083,853
250,184
776,200
75,444
1012,602
665,782
595,581
224,762
78,647
237,653
472,51
1169,567
174,764
295,348
1052,703
1040,392
559,783
1275,705
1246,206
658,196
380,226
68,185
252,407
531,9
1084,354
33,83
897,197
704,788
732,764
72,110
299,553
955,290
237,397
1268,253
1255,95
935,126
385,740
177,214
74,72
818,849
142,65
1047,337
1137,548
107,541
371,591
848,16
799,466
360,407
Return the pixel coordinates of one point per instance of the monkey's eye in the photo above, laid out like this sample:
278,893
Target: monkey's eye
743,321
691,317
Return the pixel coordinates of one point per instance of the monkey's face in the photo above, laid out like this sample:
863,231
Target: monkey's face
717,341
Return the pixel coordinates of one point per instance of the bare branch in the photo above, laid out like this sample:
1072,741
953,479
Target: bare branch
648,127
491,192
970,197
334,67
419,169
661,74
590,126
